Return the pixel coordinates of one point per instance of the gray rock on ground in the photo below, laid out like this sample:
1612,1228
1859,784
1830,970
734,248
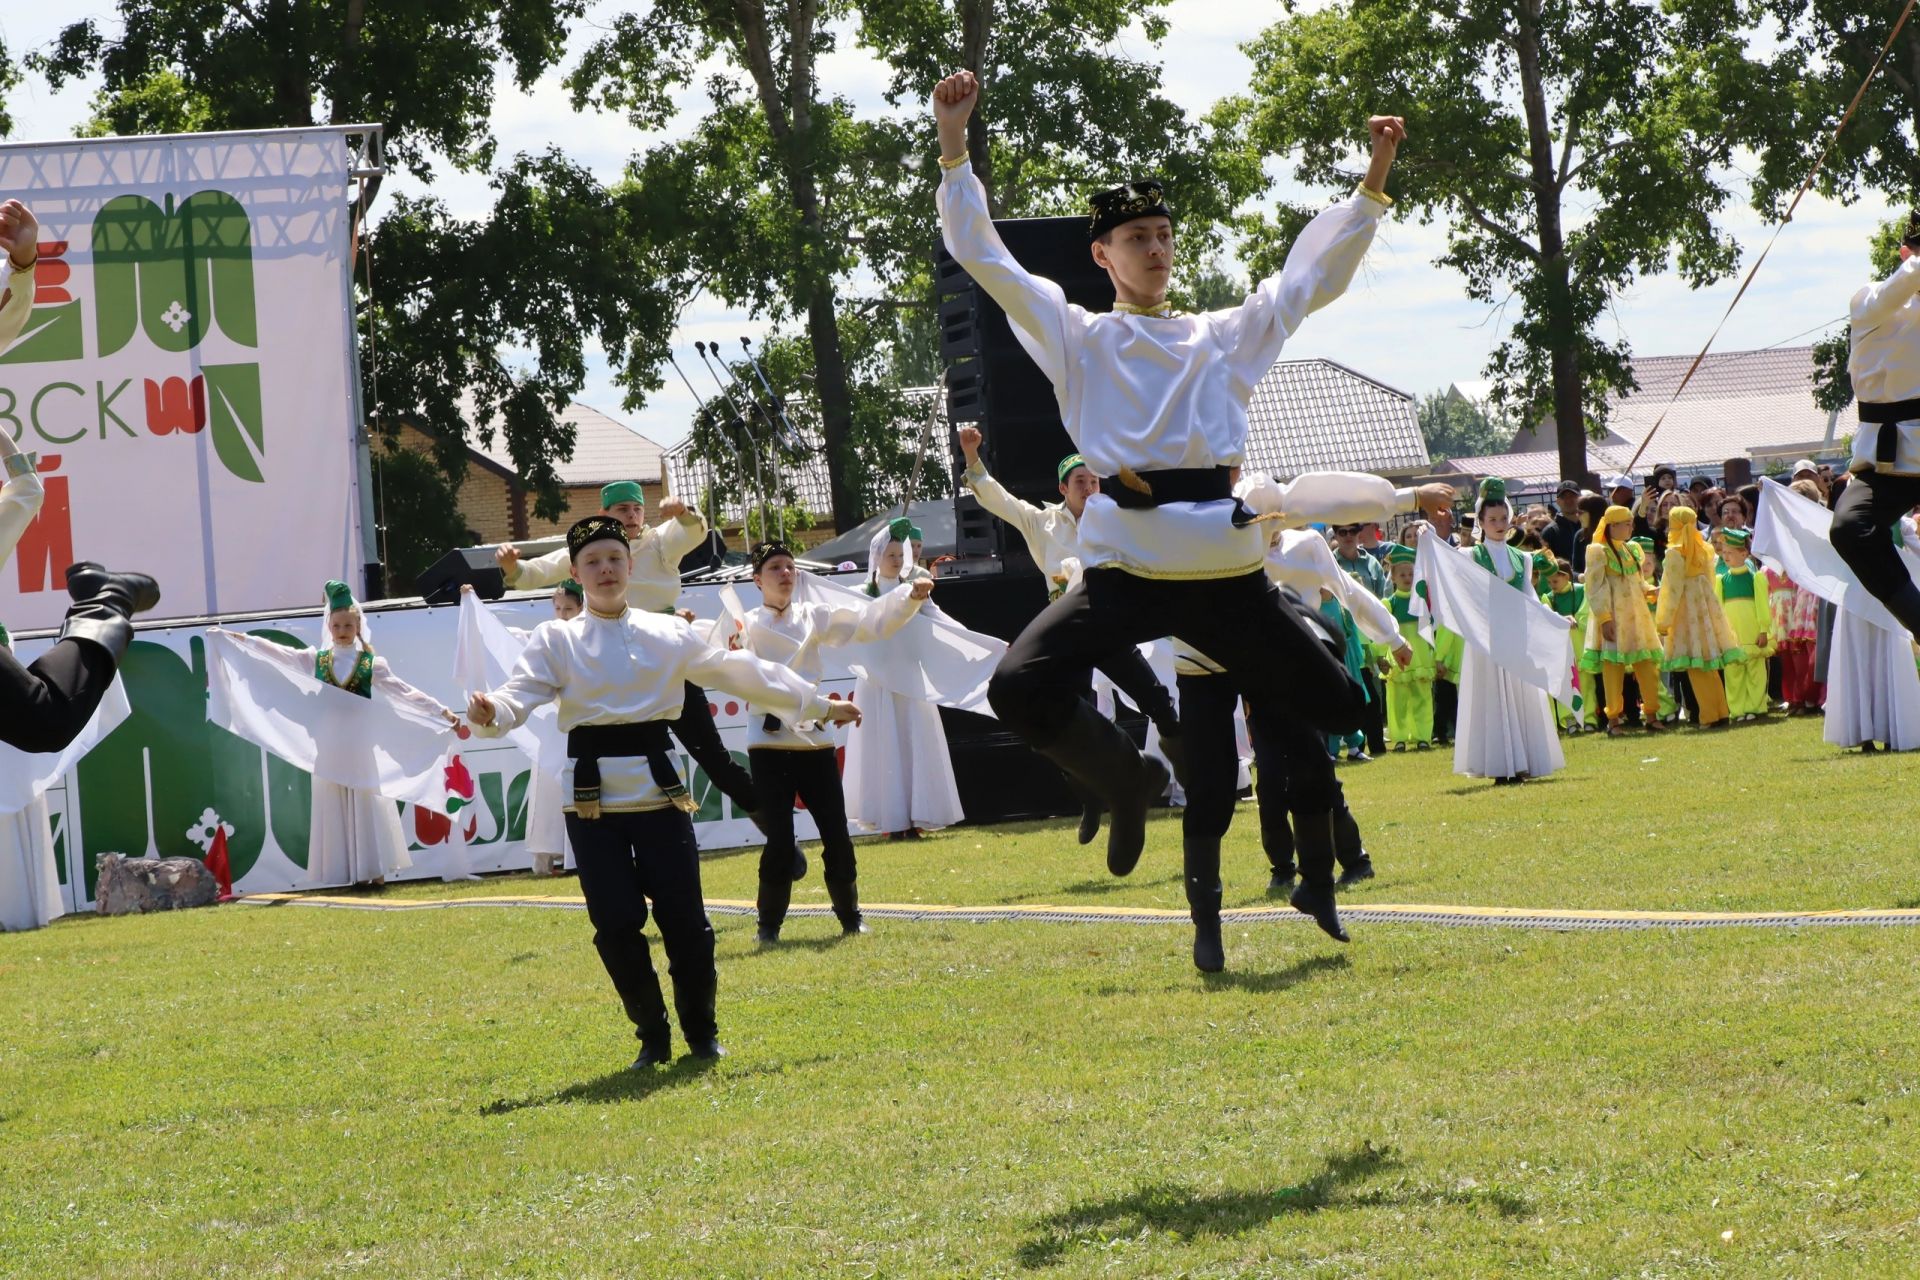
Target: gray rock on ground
127,886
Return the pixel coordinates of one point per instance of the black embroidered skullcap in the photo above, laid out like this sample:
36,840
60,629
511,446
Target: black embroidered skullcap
594,529
767,551
1146,198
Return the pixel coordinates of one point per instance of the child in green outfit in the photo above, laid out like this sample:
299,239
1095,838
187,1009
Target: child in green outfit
1409,688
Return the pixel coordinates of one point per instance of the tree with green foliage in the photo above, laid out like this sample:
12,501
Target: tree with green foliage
1455,427
785,201
550,270
1572,145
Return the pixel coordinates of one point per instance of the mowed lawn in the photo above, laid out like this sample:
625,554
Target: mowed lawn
296,1092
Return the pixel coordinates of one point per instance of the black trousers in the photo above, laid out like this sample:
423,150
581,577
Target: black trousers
1239,622
1296,775
1375,727
1863,529
43,707
698,733
626,861
1446,709
812,775
1133,676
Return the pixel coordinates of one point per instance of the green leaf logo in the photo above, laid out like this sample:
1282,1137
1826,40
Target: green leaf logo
173,273
239,429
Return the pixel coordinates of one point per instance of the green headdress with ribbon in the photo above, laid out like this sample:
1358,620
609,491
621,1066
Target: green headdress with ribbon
339,596
1493,492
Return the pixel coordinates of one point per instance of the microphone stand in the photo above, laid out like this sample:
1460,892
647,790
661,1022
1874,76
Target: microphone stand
713,493
759,483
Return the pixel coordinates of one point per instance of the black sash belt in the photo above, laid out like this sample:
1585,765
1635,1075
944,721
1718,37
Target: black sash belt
1885,413
1181,484
643,738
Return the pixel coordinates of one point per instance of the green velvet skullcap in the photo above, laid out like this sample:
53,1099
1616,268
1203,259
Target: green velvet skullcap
1643,541
574,589
339,596
1493,489
621,491
1402,554
1067,465
901,529
1737,537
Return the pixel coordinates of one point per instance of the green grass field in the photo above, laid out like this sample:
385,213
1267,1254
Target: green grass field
292,1092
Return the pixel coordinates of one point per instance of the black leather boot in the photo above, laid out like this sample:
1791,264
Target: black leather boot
1348,851
1313,839
776,892
1099,755
845,897
1201,859
103,604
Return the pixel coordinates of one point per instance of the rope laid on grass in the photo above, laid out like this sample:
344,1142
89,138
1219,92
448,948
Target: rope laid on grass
1382,913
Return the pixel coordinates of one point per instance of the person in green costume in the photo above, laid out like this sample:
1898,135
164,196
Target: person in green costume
1409,688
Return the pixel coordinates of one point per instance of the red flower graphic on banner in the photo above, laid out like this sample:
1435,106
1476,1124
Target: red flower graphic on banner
431,828
176,405
459,785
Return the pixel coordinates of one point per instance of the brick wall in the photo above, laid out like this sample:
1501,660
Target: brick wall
490,504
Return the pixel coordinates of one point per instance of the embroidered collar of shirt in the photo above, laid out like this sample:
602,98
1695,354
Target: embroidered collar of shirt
1159,311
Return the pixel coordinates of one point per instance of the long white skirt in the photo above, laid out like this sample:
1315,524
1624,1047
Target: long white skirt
1873,691
547,817
29,881
898,773
1505,725
355,836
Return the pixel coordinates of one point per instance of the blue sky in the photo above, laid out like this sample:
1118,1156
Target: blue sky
1406,322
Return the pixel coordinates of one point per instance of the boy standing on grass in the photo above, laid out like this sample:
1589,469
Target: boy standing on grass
619,675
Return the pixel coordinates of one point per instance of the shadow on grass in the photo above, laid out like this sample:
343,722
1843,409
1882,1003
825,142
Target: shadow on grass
1279,980
631,1084
1178,1211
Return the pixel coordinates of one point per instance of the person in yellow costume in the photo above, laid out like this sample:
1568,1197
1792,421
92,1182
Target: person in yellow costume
1409,688
1620,630
1689,617
1746,599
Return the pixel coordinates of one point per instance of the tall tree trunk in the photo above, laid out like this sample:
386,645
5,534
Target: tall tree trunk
1569,415
790,122
976,29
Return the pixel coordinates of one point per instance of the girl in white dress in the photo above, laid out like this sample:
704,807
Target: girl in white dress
1873,690
1506,728
899,775
355,836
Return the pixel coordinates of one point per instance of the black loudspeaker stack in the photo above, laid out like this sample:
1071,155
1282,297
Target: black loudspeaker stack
440,582
993,384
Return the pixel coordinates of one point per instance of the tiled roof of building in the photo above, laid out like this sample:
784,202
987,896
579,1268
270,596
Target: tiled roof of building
1738,404
1536,469
1315,415
604,450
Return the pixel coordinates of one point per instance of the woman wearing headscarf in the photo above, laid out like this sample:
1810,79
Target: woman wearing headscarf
1620,631
899,776
355,835
1699,640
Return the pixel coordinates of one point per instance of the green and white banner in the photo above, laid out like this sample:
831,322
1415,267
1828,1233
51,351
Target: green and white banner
160,783
186,374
